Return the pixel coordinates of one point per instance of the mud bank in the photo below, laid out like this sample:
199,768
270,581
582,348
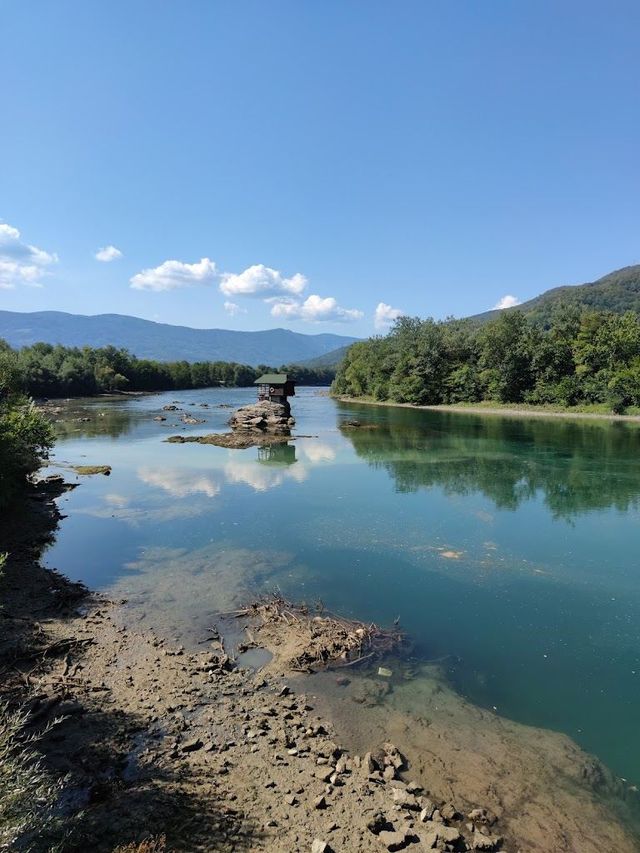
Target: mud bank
157,739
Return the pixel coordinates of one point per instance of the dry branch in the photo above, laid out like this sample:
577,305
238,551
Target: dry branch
322,641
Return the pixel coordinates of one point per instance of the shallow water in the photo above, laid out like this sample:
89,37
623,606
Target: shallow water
508,547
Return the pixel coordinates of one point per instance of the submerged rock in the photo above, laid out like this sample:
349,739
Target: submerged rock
87,470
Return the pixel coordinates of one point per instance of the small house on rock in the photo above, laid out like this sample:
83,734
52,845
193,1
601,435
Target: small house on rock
275,387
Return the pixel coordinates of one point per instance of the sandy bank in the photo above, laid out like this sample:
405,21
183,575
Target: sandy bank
507,411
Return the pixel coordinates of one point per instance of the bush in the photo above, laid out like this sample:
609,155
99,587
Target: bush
25,440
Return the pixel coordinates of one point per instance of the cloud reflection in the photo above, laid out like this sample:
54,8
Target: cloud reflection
260,477
179,482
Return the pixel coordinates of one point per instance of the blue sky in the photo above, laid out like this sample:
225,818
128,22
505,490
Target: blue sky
261,164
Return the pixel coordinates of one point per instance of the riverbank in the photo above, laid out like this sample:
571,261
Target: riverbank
506,409
161,740
158,740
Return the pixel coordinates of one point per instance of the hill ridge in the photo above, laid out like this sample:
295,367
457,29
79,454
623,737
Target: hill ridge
165,341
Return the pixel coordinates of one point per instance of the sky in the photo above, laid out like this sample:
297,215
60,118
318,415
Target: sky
319,166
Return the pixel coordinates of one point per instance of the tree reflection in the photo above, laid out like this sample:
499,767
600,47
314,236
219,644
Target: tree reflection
577,465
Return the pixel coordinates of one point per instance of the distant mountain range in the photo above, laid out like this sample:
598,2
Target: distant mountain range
618,291
163,342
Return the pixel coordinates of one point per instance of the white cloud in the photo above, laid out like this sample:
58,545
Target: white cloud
21,263
314,309
385,315
172,275
259,280
107,254
232,309
507,301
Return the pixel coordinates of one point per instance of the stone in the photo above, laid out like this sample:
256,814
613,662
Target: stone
324,775
377,823
485,842
369,763
439,835
449,812
192,745
393,840
320,802
482,816
341,764
405,800
320,846
428,809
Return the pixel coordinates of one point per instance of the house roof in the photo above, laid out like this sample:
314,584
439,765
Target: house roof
272,379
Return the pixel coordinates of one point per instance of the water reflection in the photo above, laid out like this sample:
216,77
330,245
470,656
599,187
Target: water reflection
577,466
179,482
269,468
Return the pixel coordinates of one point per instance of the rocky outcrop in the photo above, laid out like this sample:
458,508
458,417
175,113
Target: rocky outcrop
263,416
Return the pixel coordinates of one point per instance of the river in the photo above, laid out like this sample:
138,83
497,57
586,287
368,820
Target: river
506,547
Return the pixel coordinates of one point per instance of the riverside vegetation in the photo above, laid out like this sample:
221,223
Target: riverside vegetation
47,370
25,434
576,358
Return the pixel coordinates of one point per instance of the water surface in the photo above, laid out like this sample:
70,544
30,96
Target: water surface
508,547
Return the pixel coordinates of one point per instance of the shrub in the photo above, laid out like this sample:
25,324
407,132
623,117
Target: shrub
28,794
25,440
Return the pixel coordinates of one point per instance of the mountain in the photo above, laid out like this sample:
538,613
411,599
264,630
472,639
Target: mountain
618,291
329,360
164,342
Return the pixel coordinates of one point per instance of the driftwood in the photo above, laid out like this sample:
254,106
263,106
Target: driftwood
322,640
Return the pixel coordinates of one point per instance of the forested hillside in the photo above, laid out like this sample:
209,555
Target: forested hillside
44,370
618,292
578,356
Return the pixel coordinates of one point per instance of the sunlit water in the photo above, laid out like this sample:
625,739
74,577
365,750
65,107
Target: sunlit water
508,547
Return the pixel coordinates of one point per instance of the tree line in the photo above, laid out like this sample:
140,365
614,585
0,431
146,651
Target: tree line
580,357
47,370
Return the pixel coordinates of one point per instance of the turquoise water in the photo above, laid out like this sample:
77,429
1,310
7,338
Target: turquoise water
507,546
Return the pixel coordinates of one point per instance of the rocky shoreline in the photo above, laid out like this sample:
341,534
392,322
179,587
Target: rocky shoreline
158,740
